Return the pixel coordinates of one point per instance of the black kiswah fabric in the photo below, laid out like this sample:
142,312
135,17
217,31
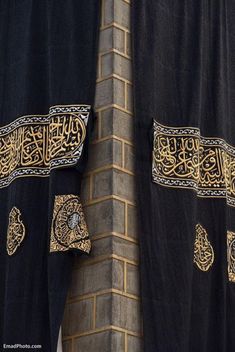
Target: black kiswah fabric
48,54
184,84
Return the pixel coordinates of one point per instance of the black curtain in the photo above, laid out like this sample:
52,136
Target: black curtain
184,85
48,54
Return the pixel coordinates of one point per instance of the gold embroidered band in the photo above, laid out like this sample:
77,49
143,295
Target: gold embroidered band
231,255
69,229
203,250
182,158
15,232
32,145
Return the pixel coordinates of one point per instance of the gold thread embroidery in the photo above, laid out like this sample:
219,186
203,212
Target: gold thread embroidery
203,250
15,232
231,255
69,229
33,145
182,158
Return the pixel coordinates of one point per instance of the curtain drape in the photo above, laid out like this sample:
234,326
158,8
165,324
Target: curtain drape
48,54
184,84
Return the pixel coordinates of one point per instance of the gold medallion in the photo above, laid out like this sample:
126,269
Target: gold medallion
69,229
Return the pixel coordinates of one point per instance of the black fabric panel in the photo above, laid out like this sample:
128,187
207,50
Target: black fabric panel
48,55
184,75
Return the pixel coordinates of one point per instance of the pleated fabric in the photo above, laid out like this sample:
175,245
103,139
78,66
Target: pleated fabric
48,55
184,101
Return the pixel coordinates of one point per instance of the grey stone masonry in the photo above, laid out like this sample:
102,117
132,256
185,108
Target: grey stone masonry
102,312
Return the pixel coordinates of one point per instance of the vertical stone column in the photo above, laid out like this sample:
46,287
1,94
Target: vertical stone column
103,308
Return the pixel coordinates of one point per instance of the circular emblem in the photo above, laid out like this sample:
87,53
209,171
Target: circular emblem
69,222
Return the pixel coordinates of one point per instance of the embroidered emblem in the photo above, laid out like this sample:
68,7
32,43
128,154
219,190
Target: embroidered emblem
15,232
69,229
231,255
182,158
33,145
203,250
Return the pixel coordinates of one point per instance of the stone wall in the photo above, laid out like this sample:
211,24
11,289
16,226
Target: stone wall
103,308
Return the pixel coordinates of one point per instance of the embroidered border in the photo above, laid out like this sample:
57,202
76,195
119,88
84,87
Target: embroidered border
203,250
182,158
15,231
33,145
69,229
231,255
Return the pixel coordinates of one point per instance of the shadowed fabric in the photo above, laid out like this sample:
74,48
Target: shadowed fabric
48,54
184,98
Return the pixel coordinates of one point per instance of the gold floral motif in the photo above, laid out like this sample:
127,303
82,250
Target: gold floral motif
69,229
203,250
15,232
182,158
33,145
231,255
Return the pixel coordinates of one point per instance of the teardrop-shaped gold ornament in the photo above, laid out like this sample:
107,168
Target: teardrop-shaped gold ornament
15,232
231,255
203,250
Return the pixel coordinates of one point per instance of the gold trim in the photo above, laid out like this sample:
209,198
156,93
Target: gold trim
15,232
33,145
182,158
203,250
231,255
69,229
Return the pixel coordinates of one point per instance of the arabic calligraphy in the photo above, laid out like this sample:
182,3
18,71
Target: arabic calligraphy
69,229
33,145
203,251
15,232
231,255
182,158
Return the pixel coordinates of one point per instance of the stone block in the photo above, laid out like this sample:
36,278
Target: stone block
85,189
113,63
105,153
67,346
132,279
129,98
104,93
132,221
106,39
78,317
101,246
134,344
105,216
117,11
119,92
118,123
104,310
106,341
126,313
128,44
125,248
115,182
96,277
129,160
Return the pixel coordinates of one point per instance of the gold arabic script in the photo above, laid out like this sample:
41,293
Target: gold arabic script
182,158
203,250
32,145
